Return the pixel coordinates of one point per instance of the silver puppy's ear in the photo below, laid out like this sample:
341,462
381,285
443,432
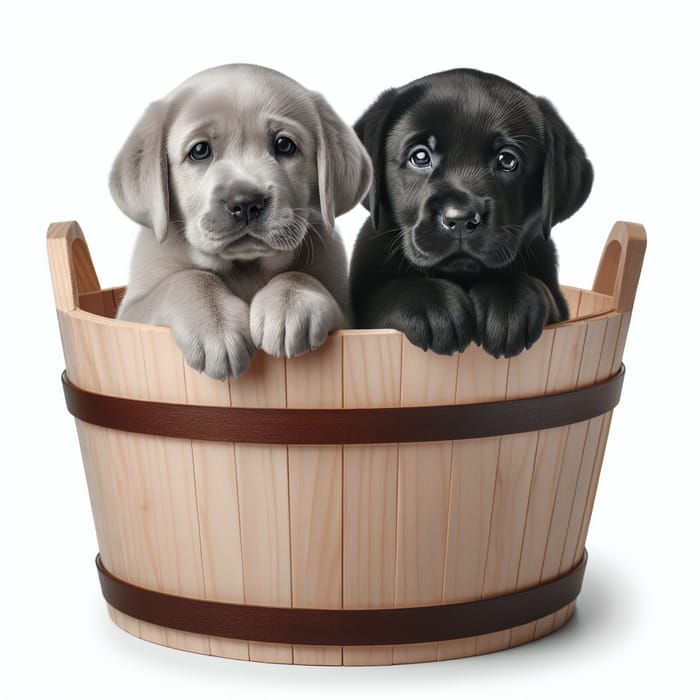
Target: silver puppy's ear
344,168
139,177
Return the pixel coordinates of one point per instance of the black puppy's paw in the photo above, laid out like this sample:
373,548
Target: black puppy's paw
511,317
434,314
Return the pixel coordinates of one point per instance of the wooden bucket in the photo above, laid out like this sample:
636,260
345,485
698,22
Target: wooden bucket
366,503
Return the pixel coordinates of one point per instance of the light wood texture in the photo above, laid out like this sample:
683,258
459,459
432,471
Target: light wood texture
621,264
595,439
72,271
567,349
594,304
360,526
573,297
371,378
527,375
263,501
423,494
216,486
571,461
314,380
474,467
103,302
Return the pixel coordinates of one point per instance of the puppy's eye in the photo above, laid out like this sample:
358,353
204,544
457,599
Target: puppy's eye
507,161
200,151
284,146
420,158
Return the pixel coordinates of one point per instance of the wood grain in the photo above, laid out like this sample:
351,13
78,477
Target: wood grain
474,467
371,378
216,487
263,502
332,526
527,376
314,380
423,494
567,349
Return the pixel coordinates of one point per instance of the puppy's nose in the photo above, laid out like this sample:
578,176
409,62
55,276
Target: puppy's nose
245,206
456,220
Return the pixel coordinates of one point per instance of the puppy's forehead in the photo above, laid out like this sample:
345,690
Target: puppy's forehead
464,110
241,99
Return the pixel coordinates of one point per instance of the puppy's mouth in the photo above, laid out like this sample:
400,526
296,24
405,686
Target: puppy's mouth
256,240
492,247
246,247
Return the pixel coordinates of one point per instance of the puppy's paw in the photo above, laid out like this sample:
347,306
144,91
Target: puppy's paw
434,314
510,318
217,339
293,313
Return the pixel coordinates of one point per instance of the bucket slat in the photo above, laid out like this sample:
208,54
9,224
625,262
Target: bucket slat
316,495
571,463
263,503
593,304
423,493
131,488
573,298
216,487
372,378
597,434
567,349
168,466
592,456
527,374
474,467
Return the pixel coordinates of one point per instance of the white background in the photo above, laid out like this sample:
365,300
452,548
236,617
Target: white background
74,81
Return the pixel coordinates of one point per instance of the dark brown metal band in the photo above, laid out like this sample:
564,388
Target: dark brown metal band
342,627
343,426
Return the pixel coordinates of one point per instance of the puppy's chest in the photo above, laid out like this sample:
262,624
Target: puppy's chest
245,280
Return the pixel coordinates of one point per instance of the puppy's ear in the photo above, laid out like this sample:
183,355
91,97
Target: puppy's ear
139,177
344,170
371,129
568,174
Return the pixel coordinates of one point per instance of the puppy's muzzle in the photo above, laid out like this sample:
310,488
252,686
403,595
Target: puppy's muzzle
462,220
245,207
457,221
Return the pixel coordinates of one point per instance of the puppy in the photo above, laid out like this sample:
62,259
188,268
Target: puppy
237,176
470,174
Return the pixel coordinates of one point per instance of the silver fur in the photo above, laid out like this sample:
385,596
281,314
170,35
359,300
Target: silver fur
281,285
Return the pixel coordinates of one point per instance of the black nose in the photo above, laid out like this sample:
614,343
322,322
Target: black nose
245,206
458,221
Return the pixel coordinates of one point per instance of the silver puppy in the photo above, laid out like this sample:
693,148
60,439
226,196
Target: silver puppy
237,176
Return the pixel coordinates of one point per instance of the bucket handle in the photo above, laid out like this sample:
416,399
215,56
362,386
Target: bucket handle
72,271
621,264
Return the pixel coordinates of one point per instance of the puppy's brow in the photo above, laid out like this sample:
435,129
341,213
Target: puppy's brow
417,137
204,128
278,122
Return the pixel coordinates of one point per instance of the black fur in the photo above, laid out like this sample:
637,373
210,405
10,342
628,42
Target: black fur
460,250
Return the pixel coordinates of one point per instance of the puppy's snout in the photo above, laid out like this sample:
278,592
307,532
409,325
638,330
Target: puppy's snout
245,206
461,220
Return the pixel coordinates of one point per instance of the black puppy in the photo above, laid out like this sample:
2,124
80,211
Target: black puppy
470,174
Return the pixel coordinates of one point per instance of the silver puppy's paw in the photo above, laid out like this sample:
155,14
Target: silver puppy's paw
217,341
293,313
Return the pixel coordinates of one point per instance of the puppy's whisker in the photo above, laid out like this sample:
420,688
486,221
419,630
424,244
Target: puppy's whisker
394,246
379,234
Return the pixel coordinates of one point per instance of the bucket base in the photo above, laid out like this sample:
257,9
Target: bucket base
343,656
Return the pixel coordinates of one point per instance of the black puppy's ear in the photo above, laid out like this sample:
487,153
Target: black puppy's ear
371,130
568,174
